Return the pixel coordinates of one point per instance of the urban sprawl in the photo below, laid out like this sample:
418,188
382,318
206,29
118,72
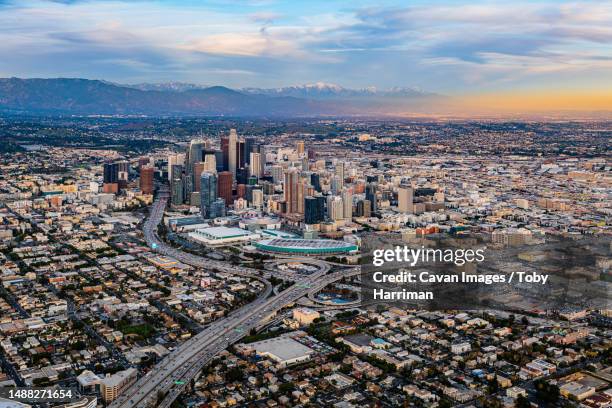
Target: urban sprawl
216,262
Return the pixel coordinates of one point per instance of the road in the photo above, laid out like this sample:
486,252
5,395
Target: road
165,382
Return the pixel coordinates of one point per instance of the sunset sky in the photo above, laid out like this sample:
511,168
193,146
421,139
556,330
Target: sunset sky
524,55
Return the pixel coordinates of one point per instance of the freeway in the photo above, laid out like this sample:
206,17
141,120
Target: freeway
165,382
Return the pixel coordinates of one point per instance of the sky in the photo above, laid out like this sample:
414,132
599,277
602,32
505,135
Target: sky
483,51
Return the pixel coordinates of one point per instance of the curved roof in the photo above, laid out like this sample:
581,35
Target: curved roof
305,246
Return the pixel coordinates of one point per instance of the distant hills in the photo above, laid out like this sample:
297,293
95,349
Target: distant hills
94,97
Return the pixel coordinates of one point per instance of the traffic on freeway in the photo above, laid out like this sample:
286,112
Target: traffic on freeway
174,372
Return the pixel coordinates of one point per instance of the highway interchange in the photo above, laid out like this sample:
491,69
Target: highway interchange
165,382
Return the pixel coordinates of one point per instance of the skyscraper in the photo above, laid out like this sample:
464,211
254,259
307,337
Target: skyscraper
314,210
347,200
336,185
258,198
315,180
336,209
371,196
232,153
340,174
225,187
146,179
210,163
364,208
177,190
208,193
404,199
277,173
241,160
195,154
299,147
249,143
225,152
174,159
291,190
220,166
255,168
198,168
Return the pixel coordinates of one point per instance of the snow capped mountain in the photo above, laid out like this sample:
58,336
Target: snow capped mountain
316,90
323,90
166,86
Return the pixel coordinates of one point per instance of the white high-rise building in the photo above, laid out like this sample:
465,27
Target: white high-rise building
175,159
256,168
347,200
340,174
231,152
336,184
258,199
336,209
210,163
277,173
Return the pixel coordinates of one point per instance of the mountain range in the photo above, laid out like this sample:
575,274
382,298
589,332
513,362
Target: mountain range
77,96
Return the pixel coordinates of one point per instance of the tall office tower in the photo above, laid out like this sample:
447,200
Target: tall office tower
258,199
232,153
198,169
315,180
404,199
177,190
252,181
242,175
249,145
312,154
225,187
305,164
146,179
291,190
302,187
255,168
336,185
111,173
322,204
219,161
115,176
195,154
340,174
371,196
314,210
347,199
208,193
210,163
225,152
175,159
299,147
217,208
336,208
277,173
364,208
240,152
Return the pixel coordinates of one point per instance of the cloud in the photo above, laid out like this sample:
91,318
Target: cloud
442,46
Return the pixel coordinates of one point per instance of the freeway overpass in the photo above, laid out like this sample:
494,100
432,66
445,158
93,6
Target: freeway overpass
165,382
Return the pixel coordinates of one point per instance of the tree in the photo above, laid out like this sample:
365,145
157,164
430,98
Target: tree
522,402
546,392
234,374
